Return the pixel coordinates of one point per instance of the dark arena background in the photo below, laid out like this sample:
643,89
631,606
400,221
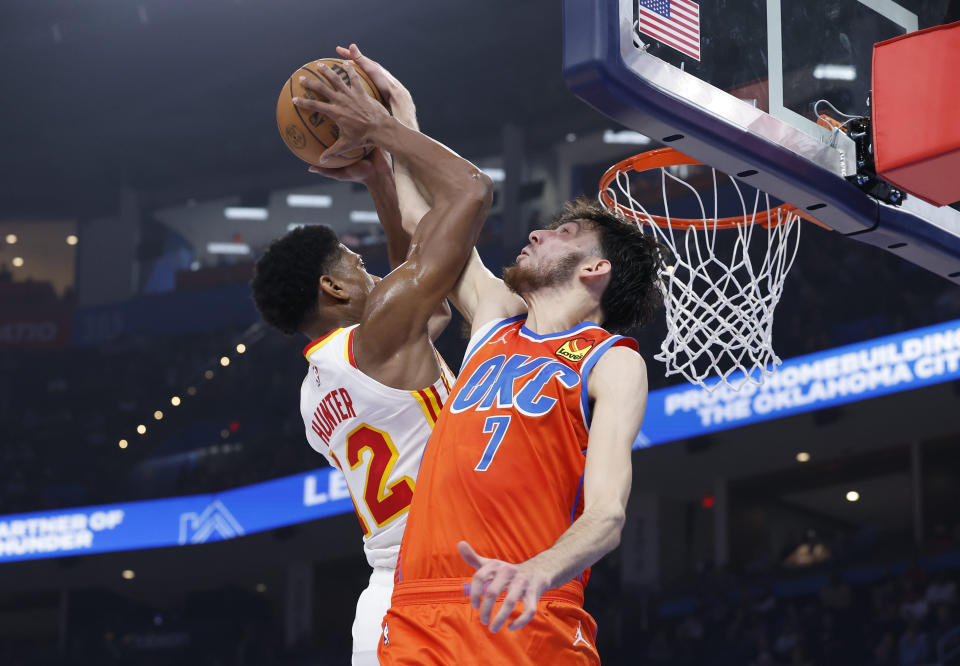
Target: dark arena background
159,504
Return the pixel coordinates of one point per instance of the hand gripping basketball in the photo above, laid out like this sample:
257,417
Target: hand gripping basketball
355,113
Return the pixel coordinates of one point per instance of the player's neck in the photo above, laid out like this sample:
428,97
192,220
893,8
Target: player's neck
552,310
319,328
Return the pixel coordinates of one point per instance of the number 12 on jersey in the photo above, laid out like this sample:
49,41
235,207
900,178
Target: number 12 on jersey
497,425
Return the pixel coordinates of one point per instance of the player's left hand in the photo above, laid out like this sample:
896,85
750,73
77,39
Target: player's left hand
355,113
522,582
377,163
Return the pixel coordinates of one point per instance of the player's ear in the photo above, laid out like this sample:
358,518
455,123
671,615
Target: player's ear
595,267
332,288
595,272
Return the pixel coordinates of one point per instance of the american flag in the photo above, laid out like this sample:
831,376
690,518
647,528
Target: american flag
675,23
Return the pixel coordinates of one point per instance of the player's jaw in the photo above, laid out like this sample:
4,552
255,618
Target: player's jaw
527,276
551,259
353,282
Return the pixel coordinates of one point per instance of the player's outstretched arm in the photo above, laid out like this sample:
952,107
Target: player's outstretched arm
479,295
618,387
399,307
376,174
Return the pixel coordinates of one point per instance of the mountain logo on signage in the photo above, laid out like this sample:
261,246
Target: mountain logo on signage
213,524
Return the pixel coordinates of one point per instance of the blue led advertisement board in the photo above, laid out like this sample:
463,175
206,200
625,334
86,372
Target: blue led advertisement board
860,371
855,372
176,521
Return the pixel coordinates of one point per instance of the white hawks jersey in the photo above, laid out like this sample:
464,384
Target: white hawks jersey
373,433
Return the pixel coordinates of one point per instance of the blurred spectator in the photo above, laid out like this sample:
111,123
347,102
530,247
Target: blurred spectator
941,590
913,646
836,595
883,653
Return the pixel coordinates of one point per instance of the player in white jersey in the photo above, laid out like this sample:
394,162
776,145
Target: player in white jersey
375,384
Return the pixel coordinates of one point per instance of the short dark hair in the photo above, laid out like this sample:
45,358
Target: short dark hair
286,277
633,295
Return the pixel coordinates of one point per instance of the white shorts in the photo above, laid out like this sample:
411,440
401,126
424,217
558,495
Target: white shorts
371,607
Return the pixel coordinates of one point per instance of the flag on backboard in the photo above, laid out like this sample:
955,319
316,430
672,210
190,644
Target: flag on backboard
675,23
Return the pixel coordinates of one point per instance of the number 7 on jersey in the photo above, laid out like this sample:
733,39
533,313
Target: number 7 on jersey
497,426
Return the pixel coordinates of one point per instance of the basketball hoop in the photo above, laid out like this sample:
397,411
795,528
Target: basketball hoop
719,301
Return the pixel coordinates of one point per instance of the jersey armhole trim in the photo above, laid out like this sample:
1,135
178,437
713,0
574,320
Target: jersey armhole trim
591,360
430,403
348,348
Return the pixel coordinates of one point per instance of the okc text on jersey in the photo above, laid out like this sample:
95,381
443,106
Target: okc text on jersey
515,382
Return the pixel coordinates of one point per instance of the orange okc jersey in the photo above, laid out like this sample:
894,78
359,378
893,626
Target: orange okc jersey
503,469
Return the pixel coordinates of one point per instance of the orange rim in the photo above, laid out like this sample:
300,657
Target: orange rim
667,157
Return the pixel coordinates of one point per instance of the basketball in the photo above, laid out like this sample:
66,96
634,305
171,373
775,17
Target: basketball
307,134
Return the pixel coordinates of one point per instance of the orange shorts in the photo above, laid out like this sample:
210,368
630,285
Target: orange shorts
431,622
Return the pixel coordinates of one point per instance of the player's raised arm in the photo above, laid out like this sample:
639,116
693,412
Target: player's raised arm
398,309
618,387
376,174
478,294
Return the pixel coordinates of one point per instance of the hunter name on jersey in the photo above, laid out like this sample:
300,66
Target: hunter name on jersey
333,409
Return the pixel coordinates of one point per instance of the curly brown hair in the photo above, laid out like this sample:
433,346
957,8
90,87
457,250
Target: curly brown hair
285,278
633,294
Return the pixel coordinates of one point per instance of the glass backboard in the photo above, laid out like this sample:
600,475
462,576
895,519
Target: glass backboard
736,83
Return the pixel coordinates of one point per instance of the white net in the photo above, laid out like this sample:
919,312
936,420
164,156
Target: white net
721,286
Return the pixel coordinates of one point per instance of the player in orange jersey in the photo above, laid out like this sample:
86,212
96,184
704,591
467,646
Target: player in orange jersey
375,385
525,479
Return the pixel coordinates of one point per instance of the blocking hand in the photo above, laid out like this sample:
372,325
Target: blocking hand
356,113
394,93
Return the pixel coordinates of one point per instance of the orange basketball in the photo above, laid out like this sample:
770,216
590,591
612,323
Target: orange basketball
309,133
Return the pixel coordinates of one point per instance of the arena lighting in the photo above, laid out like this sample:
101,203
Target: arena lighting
496,175
192,390
260,587
123,444
852,495
72,240
142,429
11,238
175,401
364,217
244,213
158,415
241,348
17,262
208,374
309,200
803,456
224,361
835,72
128,574
228,248
625,136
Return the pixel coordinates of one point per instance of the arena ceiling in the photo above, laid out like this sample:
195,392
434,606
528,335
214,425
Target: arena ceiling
175,98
